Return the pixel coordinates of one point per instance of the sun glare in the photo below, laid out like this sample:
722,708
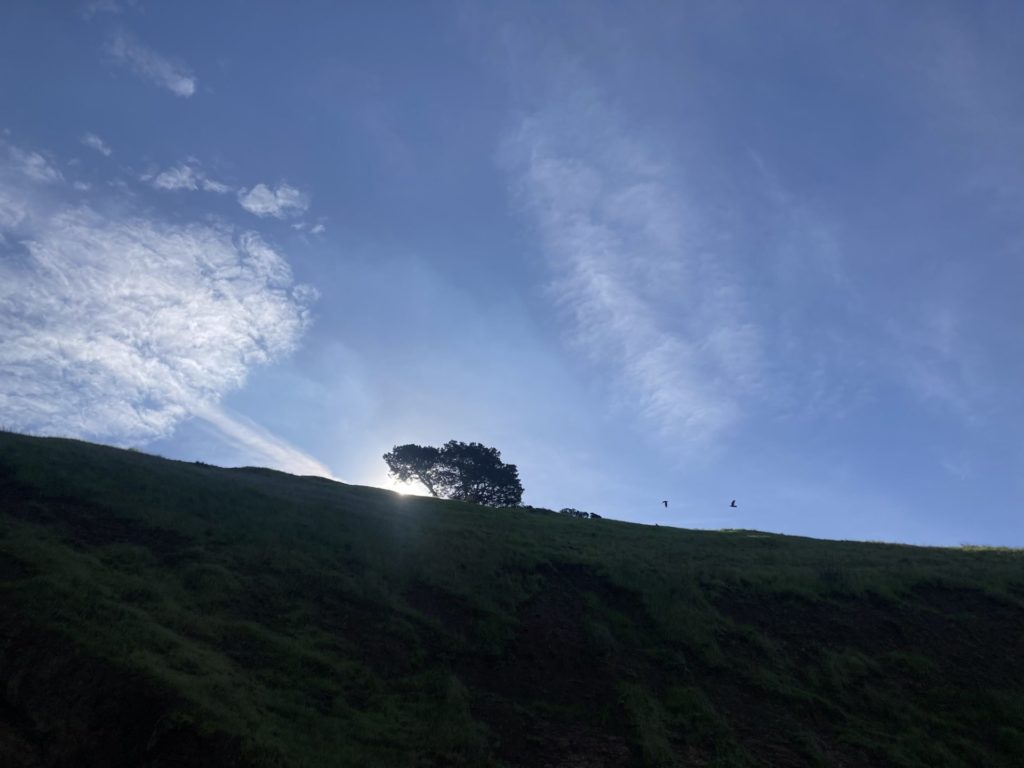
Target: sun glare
389,483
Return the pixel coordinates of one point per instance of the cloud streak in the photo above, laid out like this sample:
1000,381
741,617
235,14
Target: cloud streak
641,289
152,66
34,166
119,327
263,445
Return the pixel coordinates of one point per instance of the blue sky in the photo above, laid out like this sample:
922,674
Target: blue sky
688,251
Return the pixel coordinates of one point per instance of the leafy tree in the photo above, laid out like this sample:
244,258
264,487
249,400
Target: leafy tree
463,471
421,463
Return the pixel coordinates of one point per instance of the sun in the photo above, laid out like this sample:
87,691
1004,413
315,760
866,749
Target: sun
389,483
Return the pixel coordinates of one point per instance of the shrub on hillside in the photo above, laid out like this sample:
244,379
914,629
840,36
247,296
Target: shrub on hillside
573,512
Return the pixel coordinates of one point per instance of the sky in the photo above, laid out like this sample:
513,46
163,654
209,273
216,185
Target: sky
693,251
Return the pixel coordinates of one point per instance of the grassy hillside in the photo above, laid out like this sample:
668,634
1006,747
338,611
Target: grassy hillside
164,613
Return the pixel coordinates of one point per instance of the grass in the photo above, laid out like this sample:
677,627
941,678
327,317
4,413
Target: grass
159,612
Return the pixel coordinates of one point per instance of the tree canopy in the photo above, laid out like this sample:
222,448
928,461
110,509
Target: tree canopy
462,471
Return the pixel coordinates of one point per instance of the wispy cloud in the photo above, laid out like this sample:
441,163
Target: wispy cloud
956,463
644,291
118,327
284,201
303,226
264,446
93,141
178,177
188,176
147,63
210,185
34,166
929,356
94,7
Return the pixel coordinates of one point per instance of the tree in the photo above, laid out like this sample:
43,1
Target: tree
421,463
462,471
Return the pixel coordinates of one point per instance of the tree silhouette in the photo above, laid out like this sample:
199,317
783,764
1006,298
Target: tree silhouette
462,471
573,512
421,463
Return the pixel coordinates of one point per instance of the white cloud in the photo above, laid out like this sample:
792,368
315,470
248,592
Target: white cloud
319,229
13,211
215,186
641,287
95,142
281,202
179,177
186,176
153,66
35,166
119,327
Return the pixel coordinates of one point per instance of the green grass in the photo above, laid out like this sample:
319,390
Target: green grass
164,613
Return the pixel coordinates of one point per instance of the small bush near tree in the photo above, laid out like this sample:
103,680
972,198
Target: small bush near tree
573,512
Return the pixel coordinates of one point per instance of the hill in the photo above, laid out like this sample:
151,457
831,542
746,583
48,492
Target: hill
163,613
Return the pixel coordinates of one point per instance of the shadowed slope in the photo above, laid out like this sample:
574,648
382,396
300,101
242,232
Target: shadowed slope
165,613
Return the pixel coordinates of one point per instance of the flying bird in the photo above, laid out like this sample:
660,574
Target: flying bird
733,503
665,503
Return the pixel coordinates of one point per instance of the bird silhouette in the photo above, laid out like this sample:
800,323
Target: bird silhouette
665,503
733,503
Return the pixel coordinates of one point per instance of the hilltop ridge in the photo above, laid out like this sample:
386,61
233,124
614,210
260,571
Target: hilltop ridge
163,613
